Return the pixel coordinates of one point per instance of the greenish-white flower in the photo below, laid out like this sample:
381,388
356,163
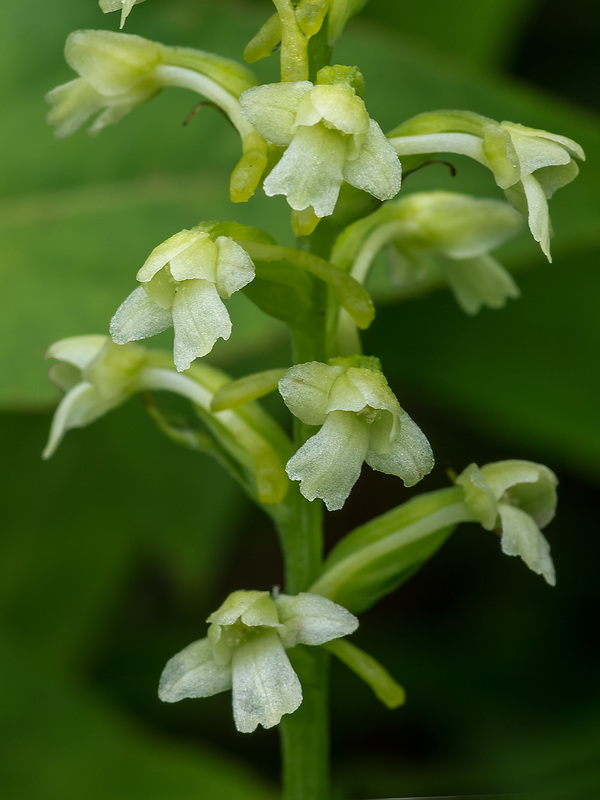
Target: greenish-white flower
516,498
118,73
182,283
360,419
329,138
96,377
528,164
124,6
245,651
435,236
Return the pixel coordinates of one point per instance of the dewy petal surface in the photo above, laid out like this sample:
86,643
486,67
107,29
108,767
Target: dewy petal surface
272,108
235,268
199,319
329,463
265,687
310,171
410,457
193,673
312,619
376,169
138,317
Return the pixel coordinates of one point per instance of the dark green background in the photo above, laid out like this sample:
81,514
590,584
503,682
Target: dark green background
115,551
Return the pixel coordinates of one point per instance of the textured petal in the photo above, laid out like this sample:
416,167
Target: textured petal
82,405
254,607
235,268
165,251
138,317
376,169
312,619
265,687
193,673
310,171
522,537
478,282
197,260
535,153
340,107
272,108
410,458
329,463
305,390
199,319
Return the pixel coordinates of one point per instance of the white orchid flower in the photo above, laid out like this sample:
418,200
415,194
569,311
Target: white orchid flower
528,164
517,498
182,283
361,420
245,651
329,138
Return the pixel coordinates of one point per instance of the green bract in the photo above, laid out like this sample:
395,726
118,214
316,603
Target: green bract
437,236
528,164
517,498
183,281
124,6
329,138
361,421
245,651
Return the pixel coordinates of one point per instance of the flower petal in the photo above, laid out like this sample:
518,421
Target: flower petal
199,319
340,107
305,390
193,673
139,317
272,108
329,463
80,406
254,607
310,171
265,687
235,268
479,281
73,104
410,458
78,350
197,260
312,619
165,251
376,169
522,537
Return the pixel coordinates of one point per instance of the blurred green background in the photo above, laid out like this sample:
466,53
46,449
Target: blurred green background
115,551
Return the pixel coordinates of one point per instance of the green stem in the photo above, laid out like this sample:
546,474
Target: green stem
305,734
